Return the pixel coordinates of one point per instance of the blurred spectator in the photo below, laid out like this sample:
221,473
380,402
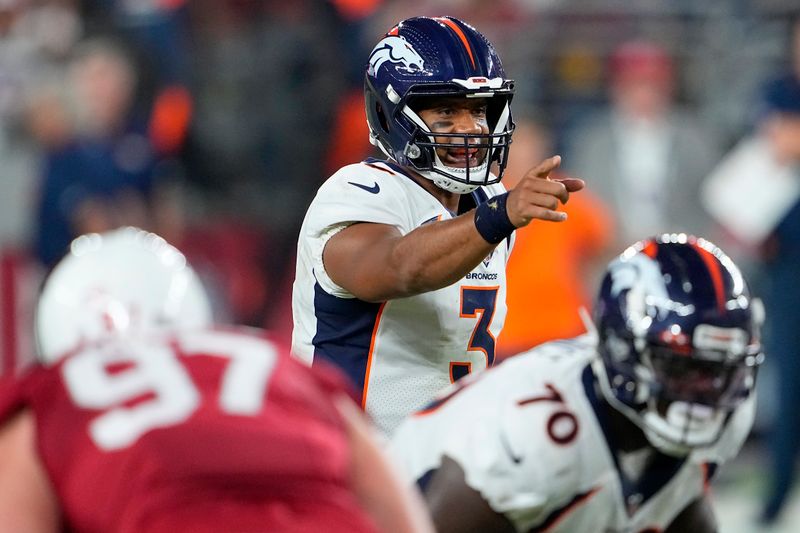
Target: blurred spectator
33,37
158,35
349,139
780,126
754,194
157,29
103,174
643,156
268,76
552,268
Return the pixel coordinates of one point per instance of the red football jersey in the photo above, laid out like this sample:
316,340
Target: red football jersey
201,431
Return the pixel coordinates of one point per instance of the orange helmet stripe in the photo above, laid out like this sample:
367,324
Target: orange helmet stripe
716,274
453,26
650,249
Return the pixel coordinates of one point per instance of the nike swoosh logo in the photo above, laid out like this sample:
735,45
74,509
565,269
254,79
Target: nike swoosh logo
375,189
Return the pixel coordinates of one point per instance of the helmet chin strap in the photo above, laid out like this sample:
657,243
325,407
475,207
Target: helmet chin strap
665,446
684,428
451,185
654,437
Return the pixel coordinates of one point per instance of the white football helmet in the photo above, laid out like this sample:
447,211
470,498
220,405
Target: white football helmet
116,283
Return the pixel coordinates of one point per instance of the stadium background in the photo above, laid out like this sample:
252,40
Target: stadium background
240,108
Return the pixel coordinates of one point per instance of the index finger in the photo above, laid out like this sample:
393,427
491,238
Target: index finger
572,184
546,167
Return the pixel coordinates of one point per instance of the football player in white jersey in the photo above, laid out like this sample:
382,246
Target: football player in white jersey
618,430
400,274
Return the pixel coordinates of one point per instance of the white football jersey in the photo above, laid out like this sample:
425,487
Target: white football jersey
531,437
404,351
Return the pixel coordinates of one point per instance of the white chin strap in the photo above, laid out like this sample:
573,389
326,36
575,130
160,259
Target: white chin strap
449,184
685,426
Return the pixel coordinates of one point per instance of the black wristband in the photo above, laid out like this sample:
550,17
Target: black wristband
491,219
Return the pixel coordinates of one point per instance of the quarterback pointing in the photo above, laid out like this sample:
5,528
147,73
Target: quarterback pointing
619,430
400,275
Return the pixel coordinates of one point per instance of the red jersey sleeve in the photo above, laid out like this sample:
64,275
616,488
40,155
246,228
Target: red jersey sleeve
13,389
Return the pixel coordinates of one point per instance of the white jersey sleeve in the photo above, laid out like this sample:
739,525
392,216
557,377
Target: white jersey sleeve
363,192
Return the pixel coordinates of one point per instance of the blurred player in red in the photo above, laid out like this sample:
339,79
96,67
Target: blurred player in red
143,418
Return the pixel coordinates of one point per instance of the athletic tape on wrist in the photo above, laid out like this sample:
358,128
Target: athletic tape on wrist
491,219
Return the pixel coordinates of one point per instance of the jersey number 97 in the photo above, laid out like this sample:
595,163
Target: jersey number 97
112,380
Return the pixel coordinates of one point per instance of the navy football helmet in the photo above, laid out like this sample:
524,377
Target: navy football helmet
437,57
679,340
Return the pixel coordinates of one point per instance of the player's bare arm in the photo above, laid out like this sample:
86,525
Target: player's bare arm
376,263
28,502
456,507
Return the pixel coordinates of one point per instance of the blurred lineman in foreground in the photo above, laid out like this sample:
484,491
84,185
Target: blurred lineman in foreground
617,430
145,418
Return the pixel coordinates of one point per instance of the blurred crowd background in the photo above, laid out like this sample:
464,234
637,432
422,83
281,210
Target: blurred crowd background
213,122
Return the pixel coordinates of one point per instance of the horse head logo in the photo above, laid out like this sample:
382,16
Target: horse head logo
646,294
395,49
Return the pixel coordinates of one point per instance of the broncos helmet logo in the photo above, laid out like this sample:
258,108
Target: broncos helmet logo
646,294
395,49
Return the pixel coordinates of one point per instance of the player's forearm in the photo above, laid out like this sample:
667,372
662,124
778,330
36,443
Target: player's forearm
375,263
437,255
27,500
